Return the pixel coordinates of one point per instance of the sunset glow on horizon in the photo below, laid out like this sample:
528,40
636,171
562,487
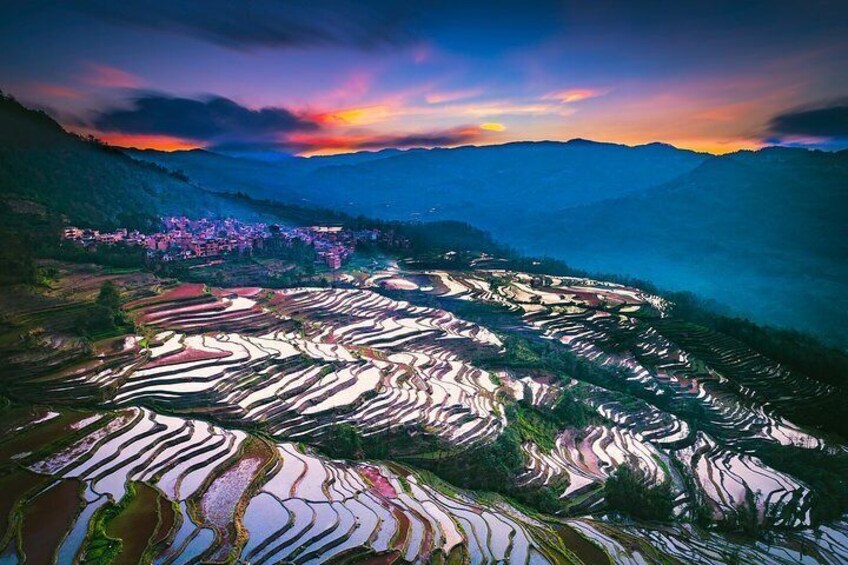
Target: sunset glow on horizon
426,75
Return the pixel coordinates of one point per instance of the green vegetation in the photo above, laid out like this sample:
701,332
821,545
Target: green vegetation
342,441
743,518
100,546
108,297
426,243
103,318
825,473
629,491
491,467
532,424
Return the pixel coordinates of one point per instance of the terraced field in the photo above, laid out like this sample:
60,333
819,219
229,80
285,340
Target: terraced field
312,359
190,441
179,490
232,494
739,396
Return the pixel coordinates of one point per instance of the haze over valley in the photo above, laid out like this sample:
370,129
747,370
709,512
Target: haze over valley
746,230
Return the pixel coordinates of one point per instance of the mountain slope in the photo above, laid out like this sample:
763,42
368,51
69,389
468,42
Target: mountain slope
762,232
46,171
485,185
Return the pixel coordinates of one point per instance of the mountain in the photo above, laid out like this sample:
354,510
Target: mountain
50,177
762,232
488,185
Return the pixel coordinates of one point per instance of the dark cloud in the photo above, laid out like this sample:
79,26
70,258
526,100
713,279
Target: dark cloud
370,24
455,136
365,141
213,119
265,23
824,121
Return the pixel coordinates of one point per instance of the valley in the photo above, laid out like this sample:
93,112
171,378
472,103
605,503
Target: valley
194,369
744,231
351,424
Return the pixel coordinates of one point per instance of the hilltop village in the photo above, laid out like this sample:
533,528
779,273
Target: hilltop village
181,238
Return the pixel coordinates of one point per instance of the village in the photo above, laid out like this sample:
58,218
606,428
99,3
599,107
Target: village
182,238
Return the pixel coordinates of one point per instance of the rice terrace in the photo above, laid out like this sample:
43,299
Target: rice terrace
222,428
438,283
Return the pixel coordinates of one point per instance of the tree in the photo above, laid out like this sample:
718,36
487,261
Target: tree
630,491
343,441
109,297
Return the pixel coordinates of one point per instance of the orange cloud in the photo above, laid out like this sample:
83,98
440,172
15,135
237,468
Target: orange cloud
353,116
311,144
160,142
492,126
574,95
104,76
56,91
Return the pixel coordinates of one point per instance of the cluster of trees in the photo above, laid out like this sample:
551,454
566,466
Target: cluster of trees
824,472
119,256
103,318
542,425
629,491
342,441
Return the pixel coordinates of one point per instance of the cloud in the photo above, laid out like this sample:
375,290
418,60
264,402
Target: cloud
51,90
574,95
265,23
212,120
218,122
452,96
824,121
492,126
492,109
105,76
306,143
358,116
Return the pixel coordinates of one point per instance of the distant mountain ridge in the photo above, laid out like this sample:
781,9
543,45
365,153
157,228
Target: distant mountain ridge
762,232
454,183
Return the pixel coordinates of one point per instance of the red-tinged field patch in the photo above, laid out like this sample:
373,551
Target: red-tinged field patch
179,293
404,529
47,519
44,427
247,292
12,487
378,482
187,355
167,521
221,502
157,315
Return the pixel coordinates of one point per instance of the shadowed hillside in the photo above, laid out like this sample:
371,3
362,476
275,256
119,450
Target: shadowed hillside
487,186
759,232
50,178
762,232
44,170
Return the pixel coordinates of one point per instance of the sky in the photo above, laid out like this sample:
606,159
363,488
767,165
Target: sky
337,76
